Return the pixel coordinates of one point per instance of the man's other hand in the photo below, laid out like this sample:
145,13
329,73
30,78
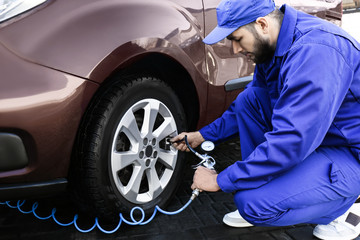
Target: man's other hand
205,180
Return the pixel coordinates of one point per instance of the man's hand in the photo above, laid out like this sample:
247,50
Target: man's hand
194,139
205,180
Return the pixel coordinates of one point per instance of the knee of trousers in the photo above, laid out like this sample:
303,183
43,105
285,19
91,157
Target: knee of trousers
254,208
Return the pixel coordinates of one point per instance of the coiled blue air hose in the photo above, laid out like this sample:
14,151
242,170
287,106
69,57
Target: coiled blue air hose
133,221
206,161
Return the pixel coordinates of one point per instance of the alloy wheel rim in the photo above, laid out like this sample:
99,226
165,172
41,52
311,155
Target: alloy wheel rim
142,162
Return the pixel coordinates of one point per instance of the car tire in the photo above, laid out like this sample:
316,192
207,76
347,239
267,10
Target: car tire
124,157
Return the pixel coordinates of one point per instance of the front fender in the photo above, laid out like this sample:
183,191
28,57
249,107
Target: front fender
81,35
130,52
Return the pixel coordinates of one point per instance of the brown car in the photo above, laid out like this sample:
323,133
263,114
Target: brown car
91,91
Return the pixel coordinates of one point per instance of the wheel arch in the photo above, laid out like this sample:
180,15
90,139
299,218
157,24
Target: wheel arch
170,71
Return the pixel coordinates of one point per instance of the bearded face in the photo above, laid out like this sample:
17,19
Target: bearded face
247,41
263,50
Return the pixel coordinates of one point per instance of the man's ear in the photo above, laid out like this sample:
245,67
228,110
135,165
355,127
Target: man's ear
262,24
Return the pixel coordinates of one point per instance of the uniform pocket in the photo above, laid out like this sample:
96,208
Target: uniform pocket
335,173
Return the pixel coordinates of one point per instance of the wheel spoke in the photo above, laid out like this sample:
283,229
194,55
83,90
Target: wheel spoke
168,159
154,182
130,128
165,129
132,188
121,160
150,113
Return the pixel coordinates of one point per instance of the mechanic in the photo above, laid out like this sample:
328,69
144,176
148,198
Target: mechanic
298,122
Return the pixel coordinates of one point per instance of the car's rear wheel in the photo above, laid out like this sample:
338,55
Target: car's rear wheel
124,158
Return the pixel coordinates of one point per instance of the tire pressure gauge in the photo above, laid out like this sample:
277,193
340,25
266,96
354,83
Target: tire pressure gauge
207,146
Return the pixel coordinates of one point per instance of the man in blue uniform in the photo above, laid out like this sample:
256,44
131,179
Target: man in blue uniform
298,122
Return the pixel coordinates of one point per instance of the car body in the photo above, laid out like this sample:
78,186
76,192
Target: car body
91,92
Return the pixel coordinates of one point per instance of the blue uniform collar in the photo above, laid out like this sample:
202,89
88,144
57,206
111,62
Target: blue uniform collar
287,30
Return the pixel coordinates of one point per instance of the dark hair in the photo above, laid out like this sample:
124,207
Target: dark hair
276,14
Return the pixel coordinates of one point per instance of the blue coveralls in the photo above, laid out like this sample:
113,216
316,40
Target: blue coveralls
299,128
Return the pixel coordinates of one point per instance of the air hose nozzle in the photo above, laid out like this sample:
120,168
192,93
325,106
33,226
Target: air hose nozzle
195,193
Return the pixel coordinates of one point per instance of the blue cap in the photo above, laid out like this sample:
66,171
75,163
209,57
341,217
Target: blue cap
232,14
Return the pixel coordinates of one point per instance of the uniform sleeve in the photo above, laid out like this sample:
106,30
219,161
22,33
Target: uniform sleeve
222,128
315,81
225,127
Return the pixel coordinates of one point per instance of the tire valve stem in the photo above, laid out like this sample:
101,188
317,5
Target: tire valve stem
167,142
